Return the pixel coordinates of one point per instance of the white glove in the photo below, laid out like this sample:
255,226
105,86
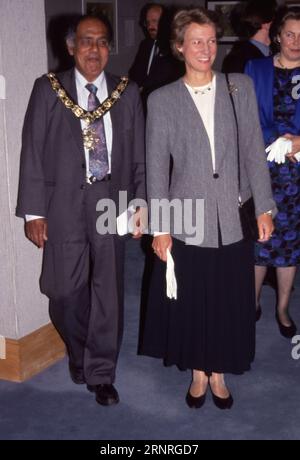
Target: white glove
278,150
170,277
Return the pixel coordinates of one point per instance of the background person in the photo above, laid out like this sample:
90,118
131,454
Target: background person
154,64
280,116
251,21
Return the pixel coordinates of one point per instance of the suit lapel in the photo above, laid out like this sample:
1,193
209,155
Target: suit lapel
116,121
68,82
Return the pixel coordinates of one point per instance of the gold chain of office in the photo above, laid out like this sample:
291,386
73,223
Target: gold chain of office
79,112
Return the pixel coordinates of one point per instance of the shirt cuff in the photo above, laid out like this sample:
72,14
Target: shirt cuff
29,217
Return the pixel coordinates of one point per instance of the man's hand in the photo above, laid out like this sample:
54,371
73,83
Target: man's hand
160,245
37,231
265,227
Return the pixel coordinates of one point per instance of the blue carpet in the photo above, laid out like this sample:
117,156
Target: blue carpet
152,406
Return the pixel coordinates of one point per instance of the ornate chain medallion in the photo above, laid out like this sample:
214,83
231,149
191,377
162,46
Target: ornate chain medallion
90,138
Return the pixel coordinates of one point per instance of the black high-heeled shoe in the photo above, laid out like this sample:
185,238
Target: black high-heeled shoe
286,331
195,402
222,403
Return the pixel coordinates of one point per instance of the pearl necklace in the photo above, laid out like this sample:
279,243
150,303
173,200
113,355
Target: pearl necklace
201,91
283,66
280,63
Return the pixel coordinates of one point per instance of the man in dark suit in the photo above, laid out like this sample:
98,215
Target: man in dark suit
154,64
68,164
251,21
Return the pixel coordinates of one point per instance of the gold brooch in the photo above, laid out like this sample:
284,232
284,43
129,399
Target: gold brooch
232,88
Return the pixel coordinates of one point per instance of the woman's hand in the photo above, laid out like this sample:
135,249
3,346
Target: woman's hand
265,227
295,146
139,222
160,245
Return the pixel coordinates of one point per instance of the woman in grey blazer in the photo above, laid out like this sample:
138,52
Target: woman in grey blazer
210,327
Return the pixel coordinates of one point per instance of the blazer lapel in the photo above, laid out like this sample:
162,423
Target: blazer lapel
223,110
192,119
68,82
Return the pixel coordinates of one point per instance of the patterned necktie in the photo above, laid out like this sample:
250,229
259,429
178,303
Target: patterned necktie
98,156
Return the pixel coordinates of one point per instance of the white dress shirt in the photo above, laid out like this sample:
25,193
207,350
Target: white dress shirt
82,95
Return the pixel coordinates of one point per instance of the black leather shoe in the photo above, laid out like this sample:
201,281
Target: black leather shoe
286,331
258,313
222,403
92,388
106,394
195,402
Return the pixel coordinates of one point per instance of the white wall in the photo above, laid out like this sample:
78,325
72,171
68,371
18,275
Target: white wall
23,58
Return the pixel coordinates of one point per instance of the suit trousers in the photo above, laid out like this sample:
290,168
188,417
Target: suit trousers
83,278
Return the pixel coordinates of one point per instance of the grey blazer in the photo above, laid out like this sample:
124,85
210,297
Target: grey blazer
175,129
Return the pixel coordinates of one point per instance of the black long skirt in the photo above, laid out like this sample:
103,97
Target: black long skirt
211,325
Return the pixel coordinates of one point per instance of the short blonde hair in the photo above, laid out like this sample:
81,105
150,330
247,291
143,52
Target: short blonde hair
186,17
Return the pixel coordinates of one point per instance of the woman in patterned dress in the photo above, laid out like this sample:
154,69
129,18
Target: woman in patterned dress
276,82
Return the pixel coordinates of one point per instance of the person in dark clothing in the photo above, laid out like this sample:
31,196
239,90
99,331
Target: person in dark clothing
154,64
251,22
69,163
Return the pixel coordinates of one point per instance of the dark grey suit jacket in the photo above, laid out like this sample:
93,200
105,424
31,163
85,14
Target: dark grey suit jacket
52,170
